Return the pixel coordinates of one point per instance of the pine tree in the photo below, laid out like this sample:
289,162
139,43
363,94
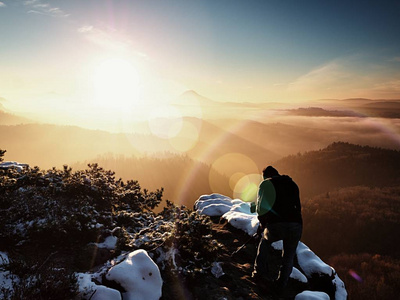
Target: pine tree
2,152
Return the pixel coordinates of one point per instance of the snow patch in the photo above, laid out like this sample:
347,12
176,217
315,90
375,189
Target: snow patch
340,293
4,260
109,243
216,270
310,263
311,295
7,279
297,275
278,245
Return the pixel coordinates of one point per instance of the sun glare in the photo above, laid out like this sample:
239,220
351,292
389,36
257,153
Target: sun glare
116,85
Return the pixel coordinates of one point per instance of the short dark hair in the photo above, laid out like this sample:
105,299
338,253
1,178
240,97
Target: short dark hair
269,172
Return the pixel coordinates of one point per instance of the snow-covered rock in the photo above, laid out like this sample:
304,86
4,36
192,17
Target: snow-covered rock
138,275
235,211
13,164
213,205
89,290
312,269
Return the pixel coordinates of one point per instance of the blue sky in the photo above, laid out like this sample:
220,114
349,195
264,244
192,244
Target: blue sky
225,50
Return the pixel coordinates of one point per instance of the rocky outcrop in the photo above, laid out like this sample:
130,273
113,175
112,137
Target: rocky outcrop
310,272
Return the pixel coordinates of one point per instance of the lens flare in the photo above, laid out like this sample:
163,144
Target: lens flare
235,178
246,188
234,166
355,275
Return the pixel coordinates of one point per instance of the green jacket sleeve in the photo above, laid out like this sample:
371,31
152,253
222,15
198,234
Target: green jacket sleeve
266,197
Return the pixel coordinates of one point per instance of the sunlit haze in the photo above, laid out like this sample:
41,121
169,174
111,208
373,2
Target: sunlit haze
218,88
73,60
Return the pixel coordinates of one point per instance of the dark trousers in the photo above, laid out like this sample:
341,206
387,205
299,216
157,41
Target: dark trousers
290,234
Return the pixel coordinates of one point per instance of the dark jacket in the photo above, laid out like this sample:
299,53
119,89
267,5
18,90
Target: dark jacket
278,201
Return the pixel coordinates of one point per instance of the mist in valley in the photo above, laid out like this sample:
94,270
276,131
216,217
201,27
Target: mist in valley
219,147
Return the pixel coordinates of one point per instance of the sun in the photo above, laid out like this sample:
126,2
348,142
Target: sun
116,84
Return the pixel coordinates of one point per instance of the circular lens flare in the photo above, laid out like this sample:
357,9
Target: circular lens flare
235,178
235,166
246,187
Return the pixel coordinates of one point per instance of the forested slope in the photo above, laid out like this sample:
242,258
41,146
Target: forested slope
342,165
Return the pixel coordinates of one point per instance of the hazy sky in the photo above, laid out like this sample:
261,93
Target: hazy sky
59,55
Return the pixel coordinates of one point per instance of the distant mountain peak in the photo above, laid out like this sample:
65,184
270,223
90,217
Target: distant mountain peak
191,93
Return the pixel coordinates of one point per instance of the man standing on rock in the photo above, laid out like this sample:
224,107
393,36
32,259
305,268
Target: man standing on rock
279,212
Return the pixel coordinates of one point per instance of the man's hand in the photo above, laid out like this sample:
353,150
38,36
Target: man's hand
253,207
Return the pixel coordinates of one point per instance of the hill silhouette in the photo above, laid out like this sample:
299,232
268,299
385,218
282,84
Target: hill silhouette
320,112
54,145
11,119
384,104
365,107
383,109
280,138
342,165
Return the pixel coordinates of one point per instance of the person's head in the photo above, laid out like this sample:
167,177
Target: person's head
269,172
